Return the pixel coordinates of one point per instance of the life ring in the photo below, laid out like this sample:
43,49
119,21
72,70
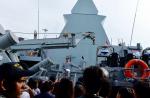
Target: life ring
129,72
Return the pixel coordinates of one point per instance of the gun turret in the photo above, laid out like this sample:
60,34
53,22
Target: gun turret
7,40
37,67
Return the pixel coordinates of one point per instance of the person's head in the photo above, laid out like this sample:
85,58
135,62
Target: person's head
33,83
64,89
79,90
106,89
14,78
52,78
125,92
47,86
142,89
56,88
92,79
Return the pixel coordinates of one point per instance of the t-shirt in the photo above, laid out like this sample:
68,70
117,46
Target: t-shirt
45,95
24,95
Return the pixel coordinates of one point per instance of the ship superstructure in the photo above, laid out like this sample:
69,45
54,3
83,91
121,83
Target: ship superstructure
85,22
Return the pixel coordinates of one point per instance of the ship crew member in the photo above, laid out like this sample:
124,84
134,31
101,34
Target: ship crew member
82,63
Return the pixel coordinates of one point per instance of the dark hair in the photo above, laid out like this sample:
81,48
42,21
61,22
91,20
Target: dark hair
79,90
142,89
33,83
126,92
92,79
106,88
46,86
1,73
56,88
65,89
52,78
9,85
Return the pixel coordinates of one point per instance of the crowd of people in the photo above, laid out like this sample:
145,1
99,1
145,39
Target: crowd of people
15,82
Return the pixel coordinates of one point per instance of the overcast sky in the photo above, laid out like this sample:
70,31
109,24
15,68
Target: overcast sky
21,16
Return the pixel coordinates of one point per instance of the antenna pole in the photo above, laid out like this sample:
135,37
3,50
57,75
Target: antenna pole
134,22
38,18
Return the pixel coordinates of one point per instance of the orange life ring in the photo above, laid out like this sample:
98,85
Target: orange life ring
129,73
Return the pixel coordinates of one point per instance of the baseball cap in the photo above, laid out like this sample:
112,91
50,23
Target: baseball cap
13,70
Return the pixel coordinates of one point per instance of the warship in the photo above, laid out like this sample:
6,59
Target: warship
83,42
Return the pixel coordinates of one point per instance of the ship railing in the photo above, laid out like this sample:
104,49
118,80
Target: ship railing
42,35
